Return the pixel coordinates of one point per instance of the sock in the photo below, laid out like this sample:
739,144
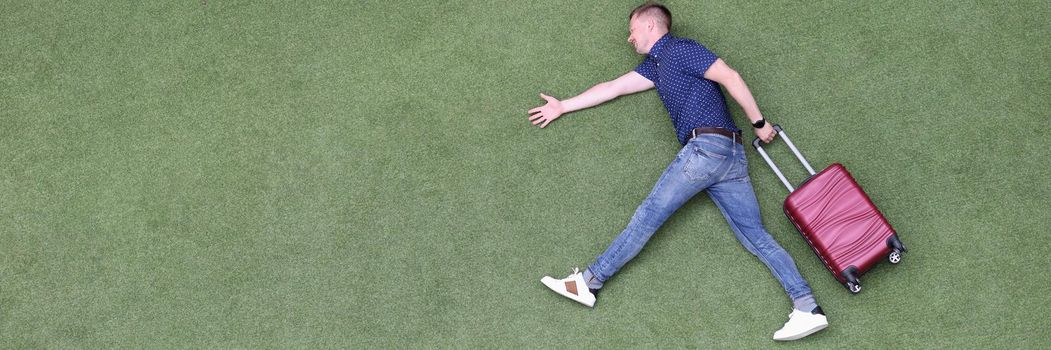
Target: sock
805,303
592,281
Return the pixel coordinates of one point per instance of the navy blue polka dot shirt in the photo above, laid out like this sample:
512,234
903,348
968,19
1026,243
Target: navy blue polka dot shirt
676,66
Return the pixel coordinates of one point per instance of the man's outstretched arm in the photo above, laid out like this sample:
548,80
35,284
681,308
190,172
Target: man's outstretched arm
629,83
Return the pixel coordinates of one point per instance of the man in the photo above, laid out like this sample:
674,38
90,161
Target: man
687,77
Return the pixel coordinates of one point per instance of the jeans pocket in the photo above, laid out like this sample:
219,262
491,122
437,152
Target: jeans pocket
701,164
742,164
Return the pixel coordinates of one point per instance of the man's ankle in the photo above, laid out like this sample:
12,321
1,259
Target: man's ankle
805,303
592,281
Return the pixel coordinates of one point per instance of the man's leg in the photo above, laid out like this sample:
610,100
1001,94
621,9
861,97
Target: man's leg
736,199
673,189
696,166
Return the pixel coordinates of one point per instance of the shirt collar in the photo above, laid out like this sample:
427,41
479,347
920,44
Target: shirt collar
655,51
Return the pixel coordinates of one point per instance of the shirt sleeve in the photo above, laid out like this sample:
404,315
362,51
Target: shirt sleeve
695,58
647,69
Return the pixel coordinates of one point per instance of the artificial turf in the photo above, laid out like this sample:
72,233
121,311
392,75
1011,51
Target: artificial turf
326,174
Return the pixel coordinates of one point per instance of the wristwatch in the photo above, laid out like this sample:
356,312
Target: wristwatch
759,124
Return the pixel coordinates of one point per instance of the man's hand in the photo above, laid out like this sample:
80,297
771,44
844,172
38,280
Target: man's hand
766,133
547,113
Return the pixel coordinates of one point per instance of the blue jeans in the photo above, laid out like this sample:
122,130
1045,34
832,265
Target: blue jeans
714,163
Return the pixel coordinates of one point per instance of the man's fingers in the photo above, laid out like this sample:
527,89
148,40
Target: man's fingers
538,118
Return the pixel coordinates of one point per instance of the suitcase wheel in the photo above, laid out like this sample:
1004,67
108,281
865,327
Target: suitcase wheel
896,248
895,256
851,277
854,288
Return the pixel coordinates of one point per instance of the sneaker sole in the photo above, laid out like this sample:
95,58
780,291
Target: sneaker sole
567,294
804,334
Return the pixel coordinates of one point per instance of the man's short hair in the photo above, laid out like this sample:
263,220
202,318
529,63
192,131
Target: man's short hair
655,10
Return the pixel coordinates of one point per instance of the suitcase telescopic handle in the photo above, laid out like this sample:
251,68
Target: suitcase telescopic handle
766,157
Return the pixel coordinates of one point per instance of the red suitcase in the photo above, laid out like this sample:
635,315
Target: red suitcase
835,216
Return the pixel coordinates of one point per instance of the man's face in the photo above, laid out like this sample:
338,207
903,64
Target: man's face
637,35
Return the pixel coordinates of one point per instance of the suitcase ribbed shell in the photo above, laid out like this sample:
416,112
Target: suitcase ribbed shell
839,221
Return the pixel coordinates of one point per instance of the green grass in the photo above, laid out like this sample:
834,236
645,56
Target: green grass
229,174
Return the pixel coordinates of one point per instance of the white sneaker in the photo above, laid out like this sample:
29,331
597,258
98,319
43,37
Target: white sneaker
801,324
572,287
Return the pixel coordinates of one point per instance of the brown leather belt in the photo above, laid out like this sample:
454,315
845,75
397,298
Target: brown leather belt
736,136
